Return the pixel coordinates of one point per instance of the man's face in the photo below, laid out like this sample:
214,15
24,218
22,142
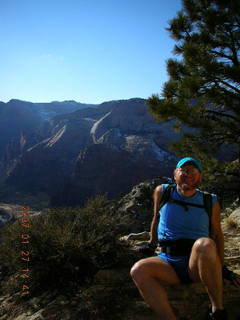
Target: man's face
188,177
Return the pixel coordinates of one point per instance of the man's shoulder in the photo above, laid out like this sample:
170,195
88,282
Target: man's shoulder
208,195
163,187
206,192
159,188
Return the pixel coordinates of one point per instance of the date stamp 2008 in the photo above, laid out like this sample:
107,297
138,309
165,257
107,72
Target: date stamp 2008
25,252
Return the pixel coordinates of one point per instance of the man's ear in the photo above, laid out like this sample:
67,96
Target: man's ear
173,179
200,180
174,174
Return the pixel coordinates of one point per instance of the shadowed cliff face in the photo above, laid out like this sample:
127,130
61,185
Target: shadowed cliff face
107,149
106,169
125,149
46,165
29,120
17,119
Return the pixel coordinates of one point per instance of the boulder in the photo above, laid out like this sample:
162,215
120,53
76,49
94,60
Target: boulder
138,204
6,215
11,212
235,215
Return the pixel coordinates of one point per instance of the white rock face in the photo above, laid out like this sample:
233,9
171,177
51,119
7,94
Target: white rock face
133,129
56,137
100,127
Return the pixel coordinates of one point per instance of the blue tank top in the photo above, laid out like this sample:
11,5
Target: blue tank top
178,223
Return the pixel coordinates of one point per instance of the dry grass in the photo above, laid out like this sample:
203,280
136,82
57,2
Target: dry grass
231,224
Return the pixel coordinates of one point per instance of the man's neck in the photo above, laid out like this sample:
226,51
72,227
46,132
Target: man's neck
186,192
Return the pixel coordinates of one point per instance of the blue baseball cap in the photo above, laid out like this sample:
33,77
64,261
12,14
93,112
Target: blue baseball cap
195,162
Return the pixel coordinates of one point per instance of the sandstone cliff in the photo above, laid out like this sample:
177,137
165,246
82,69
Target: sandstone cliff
104,150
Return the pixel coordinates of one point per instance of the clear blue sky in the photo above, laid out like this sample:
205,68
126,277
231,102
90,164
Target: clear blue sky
84,50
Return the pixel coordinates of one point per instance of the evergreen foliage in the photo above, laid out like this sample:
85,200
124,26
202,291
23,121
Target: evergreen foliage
203,90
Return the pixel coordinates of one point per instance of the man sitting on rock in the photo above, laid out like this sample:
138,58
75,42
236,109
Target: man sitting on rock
192,244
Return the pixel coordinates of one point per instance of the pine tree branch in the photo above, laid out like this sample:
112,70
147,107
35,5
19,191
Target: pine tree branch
227,84
222,114
234,51
222,55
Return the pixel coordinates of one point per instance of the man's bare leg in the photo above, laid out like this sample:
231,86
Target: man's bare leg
149,276
205,266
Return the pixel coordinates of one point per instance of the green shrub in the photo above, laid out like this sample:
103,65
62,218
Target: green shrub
68,246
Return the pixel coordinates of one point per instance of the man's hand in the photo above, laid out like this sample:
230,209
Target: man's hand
147,249
231,276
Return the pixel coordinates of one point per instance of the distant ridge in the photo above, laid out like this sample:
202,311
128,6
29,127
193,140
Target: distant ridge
72,151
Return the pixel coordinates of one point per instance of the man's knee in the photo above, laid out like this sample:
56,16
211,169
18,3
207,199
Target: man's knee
205,246
139,270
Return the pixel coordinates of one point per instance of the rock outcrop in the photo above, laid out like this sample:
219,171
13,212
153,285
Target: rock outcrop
138,204
11,212
235,216
6,215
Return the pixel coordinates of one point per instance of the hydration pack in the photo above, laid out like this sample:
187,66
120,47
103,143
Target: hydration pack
207,201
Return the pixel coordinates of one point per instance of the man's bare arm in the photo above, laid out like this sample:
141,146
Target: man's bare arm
216,230
217,235
157,195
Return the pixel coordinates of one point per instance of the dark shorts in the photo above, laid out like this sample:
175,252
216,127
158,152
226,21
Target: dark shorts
179,264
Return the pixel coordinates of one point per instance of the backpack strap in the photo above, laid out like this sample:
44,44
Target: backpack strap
186,204
166,195
207,202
